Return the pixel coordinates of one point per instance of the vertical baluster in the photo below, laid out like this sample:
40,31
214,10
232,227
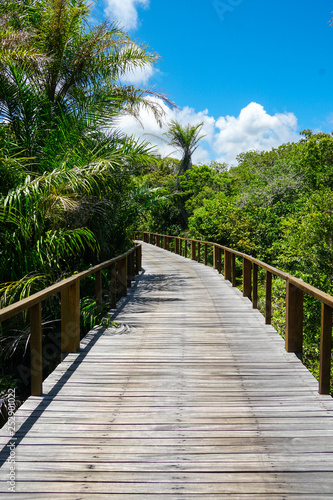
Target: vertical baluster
113,285
138,260
247,278
255,287
227,265
198,256
206,254
233,266
268,304
215,257
294,319
70,318
36,349
193,249
325,349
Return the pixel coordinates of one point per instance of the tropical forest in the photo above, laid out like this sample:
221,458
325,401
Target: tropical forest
74,188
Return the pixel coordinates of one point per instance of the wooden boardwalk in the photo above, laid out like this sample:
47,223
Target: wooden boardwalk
193,397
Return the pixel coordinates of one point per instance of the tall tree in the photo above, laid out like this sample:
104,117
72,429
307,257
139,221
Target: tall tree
186,140
54,65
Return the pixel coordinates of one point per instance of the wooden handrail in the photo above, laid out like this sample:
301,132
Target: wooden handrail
123,269
295,288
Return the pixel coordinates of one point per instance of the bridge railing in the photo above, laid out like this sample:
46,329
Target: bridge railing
295,289
122,270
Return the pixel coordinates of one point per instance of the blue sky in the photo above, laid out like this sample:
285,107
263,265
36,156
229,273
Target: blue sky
256,72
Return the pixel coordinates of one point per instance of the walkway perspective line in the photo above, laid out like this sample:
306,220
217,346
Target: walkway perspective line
192,397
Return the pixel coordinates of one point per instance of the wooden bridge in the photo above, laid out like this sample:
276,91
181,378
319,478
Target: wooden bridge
193,397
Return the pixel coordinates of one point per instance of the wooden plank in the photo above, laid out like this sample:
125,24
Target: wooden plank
192,397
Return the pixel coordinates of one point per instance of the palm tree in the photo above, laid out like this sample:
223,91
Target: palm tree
186,140
53,64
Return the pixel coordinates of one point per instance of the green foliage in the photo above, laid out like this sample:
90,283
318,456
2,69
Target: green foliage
93,314
276,205
68,193
222,221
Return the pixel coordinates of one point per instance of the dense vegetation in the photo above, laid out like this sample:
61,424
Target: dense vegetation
68,193
73,188
274,205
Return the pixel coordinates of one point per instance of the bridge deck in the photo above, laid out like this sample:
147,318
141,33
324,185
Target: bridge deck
192,397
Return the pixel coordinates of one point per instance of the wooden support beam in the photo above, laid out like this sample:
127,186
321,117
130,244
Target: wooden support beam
227,265
98,287
130,269
294,319
268,303
193,249
113,286
233,267
219,263
255,287
247,278
206,253
70,318
122,278
198,253
185,250
325,349
215,257
177,246
36,349
138,259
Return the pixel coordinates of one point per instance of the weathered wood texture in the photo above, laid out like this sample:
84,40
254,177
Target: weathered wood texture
192,397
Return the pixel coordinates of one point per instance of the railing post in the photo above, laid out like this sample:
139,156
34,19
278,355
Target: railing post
227,265
36,349
151,238
122,277
70,318
255,287
193,249
247,278
219,253
206,254
233,266
138,260
165,242
177,246
198,252
130,269
268,304
294,319
215,257
157,240
325,349
98,288
185,250
113,286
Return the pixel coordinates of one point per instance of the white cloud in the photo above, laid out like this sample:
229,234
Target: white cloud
125,11
149,130
226,137
139,76
254,129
